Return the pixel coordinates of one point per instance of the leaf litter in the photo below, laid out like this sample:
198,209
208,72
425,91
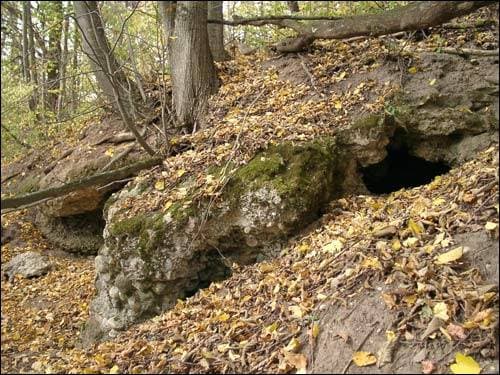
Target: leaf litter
254,321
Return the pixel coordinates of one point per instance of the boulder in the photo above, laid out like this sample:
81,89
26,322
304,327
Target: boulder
148,261
28,264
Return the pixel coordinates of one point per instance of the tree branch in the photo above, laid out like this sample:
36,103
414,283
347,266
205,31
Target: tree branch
417,15
98,179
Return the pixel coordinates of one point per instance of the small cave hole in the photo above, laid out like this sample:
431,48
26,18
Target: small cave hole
400,170
214,270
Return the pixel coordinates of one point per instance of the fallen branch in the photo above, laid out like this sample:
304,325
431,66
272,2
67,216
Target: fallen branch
415,16
98,179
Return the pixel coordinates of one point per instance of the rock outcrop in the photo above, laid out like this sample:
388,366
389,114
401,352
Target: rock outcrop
149,261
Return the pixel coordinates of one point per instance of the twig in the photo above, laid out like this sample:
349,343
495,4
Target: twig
359,347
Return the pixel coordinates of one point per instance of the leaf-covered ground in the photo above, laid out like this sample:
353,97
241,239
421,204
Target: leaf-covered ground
265,317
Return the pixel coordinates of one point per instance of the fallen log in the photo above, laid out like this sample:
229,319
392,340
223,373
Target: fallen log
98,179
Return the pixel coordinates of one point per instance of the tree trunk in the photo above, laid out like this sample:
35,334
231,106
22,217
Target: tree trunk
75,83
26,63
293,6
62,70
98,50
194,77
55,10
216,32
110,76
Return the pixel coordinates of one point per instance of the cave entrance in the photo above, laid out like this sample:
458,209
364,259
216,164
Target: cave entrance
400,170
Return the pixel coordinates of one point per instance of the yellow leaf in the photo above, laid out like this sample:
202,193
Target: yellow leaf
410,299
432,82
109,151
293,345
465,365
412,70
416,228
371,262
396,245
160,185
362,359
303,249
333,246
438,202
490,225
410,242
440,311
224,317
342,75
296,311
271,328
450,256
338,104
390,335
180,172
315,330
114,370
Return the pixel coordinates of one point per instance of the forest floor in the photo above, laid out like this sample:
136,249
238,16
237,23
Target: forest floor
341,297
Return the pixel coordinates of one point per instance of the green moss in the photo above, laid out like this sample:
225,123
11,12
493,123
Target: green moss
368,122
301,174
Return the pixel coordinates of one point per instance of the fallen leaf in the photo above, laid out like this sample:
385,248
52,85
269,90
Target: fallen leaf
315,330
114,370
333,247
160,185
450,256
296,311
412,70
293,346
362,359
432,82
465,365
440,311
490,225
371,262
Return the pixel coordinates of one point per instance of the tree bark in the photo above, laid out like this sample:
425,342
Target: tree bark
98,179
193,73
216,32
417,15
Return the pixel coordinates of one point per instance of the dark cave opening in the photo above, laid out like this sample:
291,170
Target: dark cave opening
400,170
213,269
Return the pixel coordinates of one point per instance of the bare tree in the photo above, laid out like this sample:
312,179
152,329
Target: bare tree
109,74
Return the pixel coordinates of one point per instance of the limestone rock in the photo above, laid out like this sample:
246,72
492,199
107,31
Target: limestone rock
28,264
149,261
